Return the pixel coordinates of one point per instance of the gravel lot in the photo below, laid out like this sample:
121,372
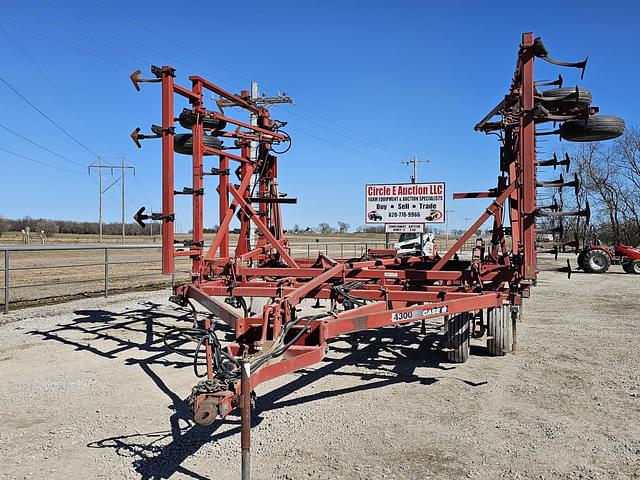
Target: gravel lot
88,391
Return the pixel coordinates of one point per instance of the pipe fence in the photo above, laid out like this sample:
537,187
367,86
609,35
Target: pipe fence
32,274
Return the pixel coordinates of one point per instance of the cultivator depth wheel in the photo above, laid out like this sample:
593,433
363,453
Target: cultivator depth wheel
499,330
458,337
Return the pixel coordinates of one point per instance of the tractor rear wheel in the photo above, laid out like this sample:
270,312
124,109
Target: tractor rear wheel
499,331
596,261
581,261
458,337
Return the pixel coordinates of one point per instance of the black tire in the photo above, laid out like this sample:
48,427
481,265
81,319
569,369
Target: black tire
581,261
635,267
458,337
183,143
499,331
187,119
597,261
565,98
627,267
593,129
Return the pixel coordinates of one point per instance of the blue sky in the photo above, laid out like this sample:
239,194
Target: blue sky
374,83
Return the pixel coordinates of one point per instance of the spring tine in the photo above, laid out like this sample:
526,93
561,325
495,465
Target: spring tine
136,79
136,136
549,83
139,217
586,212
559,230
551,183
540,51
552,162
566,162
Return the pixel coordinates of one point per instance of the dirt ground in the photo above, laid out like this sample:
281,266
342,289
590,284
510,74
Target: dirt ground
89,391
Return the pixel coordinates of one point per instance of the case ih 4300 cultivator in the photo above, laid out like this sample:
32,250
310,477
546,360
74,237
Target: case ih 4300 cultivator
379,289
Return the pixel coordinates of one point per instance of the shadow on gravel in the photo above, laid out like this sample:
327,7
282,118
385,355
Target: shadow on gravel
153,460
381,358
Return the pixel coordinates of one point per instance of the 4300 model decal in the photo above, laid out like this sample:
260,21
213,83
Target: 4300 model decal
416,314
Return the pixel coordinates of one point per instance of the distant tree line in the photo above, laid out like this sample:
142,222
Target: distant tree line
53,227
321,228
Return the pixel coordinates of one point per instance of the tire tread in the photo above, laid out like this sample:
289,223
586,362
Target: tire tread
499,330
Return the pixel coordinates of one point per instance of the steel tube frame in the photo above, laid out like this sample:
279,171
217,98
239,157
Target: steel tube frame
387,289
168,227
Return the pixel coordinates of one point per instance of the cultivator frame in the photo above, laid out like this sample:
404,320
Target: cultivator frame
379,289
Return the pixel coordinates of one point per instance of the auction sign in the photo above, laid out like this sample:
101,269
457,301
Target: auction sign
405,203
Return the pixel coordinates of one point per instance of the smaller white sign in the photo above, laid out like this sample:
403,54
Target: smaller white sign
404,228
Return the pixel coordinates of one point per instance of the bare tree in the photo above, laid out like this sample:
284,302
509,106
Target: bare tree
609,175
343,227
325,228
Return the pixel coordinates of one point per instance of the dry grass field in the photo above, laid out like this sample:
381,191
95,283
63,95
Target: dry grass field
38,277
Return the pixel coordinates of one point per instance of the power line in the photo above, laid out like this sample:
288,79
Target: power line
144,194
33,142
40,162
354,134
42,72
347,149
359,137
53,122
70,45
335,130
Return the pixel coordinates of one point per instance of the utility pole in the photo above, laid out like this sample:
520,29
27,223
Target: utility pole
415,162
446,226
123,168
414,179
253,156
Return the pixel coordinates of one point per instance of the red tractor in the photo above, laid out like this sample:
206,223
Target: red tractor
598,259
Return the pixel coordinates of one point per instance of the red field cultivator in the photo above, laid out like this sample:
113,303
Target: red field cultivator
378,289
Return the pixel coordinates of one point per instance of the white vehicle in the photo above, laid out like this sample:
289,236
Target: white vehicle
409,244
